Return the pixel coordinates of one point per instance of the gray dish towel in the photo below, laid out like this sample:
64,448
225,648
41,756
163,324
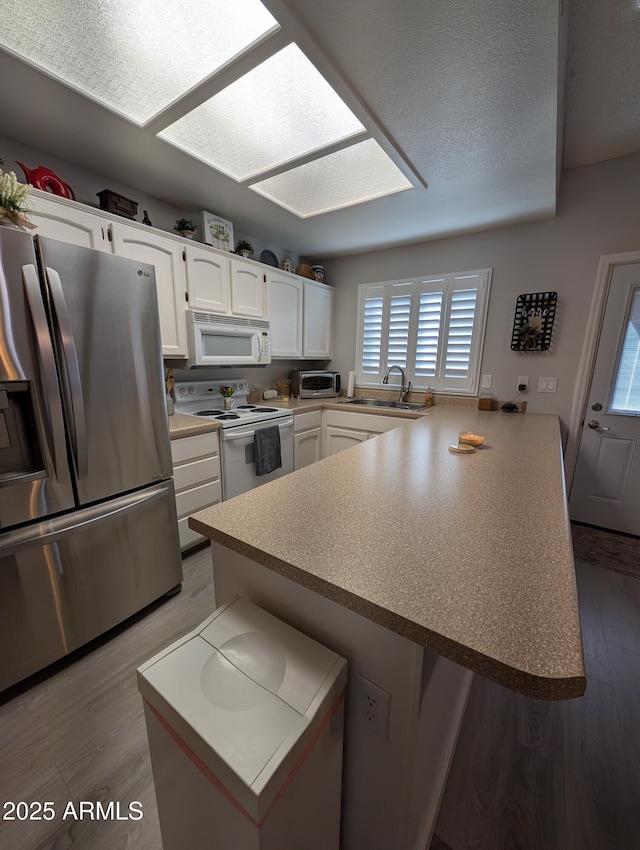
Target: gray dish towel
267,449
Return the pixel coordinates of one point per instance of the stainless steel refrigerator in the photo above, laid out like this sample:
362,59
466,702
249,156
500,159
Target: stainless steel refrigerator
88,530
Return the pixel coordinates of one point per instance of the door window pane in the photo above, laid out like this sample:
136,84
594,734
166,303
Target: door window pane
626,389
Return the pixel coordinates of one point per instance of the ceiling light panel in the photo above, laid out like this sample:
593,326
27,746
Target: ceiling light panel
280,110
138,57
350,176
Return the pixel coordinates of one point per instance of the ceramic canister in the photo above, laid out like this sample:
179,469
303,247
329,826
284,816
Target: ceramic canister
318,273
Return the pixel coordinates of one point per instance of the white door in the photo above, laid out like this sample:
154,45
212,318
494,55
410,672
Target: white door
606,485
64,220
247,289
339,439
306,447
284,297
318,321
171,280
207,279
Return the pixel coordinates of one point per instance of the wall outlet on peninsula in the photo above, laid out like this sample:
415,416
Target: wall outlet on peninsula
372,705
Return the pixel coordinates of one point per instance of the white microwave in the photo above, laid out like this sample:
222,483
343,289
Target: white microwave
215,340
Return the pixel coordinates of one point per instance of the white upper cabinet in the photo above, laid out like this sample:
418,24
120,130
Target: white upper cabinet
248,285
284,311
207,280
68,222
317,332
165,254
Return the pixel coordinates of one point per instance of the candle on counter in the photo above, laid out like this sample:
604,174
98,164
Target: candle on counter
468,438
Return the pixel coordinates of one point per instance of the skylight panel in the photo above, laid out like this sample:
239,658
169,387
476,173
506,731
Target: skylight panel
350,176
135,58
280,110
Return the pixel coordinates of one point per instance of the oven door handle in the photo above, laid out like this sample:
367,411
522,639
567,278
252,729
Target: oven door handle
226,437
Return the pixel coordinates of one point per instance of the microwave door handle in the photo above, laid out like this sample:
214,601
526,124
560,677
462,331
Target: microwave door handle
338,383
31,284
79,436
226,436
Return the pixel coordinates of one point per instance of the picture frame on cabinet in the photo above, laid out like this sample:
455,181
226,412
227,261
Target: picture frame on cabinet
217,231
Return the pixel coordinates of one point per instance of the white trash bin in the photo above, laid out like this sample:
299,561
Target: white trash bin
245,718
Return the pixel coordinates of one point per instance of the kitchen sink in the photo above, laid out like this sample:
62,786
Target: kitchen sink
381,402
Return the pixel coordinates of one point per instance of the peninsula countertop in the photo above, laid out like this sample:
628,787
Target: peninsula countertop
467,555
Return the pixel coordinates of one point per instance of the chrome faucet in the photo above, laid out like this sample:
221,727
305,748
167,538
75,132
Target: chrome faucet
404,391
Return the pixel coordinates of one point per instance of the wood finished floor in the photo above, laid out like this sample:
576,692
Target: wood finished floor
530,775
527,775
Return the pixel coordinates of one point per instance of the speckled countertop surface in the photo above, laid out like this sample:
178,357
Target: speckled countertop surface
186,426
468,555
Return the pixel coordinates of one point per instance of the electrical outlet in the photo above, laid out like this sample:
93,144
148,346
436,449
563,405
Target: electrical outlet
523,380
372,705
486,381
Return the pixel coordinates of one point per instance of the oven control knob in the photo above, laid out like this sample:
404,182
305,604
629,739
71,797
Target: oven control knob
192,390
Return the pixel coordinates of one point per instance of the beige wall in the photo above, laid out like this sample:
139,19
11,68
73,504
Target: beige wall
598,213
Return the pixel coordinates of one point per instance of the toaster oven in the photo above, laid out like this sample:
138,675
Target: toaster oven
315,384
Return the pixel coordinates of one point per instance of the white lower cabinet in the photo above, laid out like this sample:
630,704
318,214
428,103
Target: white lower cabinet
345,428
307,438
196,477
338,439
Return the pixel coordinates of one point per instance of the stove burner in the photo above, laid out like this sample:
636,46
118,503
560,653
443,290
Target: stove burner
246,407
228,416
265,410
208,412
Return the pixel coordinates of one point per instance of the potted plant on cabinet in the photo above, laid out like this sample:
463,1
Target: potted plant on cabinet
13,195
244,248
185,227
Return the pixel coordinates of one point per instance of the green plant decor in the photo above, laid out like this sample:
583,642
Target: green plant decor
13,196
184,224
243,245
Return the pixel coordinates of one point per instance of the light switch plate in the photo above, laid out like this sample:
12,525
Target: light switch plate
547,385
486,381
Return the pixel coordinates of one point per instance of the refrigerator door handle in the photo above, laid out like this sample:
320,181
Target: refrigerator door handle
51,531
79,430
45,351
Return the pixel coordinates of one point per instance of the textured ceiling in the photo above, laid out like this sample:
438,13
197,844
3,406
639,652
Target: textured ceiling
468,94
603,81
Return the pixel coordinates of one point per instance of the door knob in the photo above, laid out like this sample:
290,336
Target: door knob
596,406
597,426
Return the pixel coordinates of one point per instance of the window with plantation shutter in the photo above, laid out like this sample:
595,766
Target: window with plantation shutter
433,327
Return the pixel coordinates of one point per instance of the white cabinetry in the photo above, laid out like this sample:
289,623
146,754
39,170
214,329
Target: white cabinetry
338,439
284,300
166,255
248,284
196,476
317,333
307,438
68,222
207,279
347,428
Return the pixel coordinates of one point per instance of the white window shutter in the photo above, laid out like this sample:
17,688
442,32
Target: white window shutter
429,332
433,328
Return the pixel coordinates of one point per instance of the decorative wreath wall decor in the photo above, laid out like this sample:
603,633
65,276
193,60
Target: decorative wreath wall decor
533,321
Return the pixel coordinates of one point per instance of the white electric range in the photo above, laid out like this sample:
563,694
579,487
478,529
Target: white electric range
238,427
